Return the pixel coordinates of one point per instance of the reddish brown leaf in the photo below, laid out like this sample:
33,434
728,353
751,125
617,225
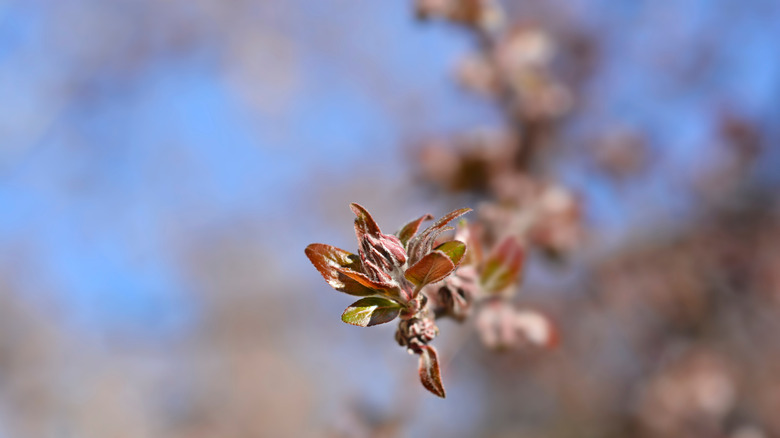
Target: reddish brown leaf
432,268
365,281
430,374
329,260
364,223
447,218
409,230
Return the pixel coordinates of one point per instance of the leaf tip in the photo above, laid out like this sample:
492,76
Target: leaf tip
356,208
430,373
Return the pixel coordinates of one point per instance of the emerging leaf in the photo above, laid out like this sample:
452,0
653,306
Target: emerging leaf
380,254
430,374
421,244
364,223
503,267
447,218
366,312
454,249
432,268
409,230
330,261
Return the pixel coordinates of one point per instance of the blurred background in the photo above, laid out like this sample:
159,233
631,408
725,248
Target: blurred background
164,163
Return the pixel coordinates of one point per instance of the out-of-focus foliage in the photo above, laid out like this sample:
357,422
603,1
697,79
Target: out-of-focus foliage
669,334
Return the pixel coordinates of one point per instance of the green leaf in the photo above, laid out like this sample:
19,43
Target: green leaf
366,312
454,249
503,267
329,261
409,230
430,374
432,268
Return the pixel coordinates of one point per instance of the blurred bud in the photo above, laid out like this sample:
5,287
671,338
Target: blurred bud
439,163
471,163
483,15
698,388
501,326
523,59
622,153
557,228
524,48
535,328
514,188
477,74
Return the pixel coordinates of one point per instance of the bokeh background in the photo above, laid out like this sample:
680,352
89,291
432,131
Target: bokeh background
164,163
